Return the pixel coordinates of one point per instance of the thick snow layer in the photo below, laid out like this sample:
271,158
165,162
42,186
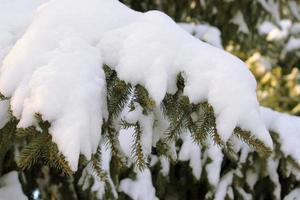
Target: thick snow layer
165,50
141,188
15,16
10,187
288,129
56,69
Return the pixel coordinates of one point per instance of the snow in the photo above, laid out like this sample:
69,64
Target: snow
271,6
10,187
294,8
55,70
99,185
213,168
223,185
266,27
276,33
292,44
190,151
204,32
239,20
272,166
15,16
165,51
293,195
288,129
140,188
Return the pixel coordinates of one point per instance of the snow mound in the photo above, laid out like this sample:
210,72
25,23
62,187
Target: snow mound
55,69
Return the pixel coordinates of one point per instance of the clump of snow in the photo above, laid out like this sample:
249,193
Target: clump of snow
99,185
14,18
10,187
266,27
271,6
55,69
223,185
239,20
15,15
292,44
204,32
190,151
213,168
276,33
288,129
293,195
294,8
272,165
140,188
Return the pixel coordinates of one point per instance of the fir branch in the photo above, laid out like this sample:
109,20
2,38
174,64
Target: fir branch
31,153
112,141
118,96
137,149
252,141
142,97
97,165
7,138
26,132
56,159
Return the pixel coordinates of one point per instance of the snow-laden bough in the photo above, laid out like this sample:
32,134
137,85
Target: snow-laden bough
55,69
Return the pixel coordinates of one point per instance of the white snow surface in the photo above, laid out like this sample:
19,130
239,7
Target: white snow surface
225,182
190,151
55,69
10,187
141,188
15,16
213,168
288,129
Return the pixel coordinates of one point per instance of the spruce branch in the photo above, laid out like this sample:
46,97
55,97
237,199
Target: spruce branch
137,149
252,141
96,162
112,141
142,97
32,152
7,139
56,159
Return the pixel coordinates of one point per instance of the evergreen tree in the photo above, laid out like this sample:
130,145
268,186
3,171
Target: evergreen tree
170,150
